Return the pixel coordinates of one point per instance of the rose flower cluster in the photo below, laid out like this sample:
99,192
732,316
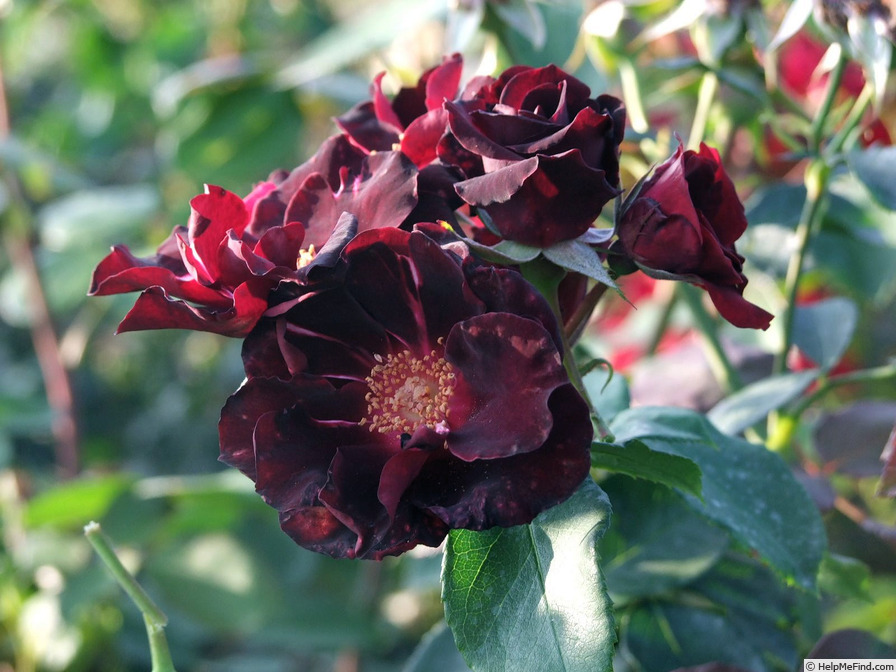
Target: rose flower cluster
398,383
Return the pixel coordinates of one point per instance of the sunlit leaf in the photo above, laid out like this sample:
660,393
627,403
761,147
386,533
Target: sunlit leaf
637,460
532,597
746,488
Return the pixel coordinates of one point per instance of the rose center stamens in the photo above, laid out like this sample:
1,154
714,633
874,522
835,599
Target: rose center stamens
406,392
306,256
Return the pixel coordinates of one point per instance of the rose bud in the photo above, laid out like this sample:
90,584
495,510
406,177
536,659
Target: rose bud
682,224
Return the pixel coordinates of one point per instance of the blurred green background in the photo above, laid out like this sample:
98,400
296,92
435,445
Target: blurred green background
115,113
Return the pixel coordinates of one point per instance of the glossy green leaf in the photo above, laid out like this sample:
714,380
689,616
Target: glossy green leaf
753,403
575,255
746,488
639,461
532,597
656,542
824,330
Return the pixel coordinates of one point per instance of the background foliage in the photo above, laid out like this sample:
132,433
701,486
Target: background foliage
118,111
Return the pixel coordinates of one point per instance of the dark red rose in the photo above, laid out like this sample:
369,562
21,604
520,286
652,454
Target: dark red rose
216,273
684,222
413,121
549,152
424,393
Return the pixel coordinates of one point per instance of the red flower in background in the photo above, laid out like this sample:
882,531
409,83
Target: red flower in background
683,224
421,394
798,62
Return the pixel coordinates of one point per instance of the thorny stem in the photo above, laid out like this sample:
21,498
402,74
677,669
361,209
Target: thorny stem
153,617
19,248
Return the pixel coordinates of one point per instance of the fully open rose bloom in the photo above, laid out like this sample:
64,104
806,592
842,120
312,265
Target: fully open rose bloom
549,152
683,223
216,273
421,394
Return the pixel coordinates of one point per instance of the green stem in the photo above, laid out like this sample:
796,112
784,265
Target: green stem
853,119
817,175
546,278
818,125
719,362
709,86
153,617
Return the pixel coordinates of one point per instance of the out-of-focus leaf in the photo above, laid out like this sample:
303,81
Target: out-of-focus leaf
746,488
77,502
532,596
525,18
844,577
609,393
85,218
849,440
638,461
873,166
436,653
870,35
753,403
795,18
823,330
886,487
217,581
737,613
656,542
358,36
851,643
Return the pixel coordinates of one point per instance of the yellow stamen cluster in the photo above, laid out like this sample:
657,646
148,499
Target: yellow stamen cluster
306,256
406,392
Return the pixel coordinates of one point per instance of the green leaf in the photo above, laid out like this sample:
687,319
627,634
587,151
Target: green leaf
746,488
875,166
358,35
436,653
532,597
639,461
77,502
797,15
753,403
656,542
845,577
609,394
737,613
823,330
575,255
506,252
524,17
